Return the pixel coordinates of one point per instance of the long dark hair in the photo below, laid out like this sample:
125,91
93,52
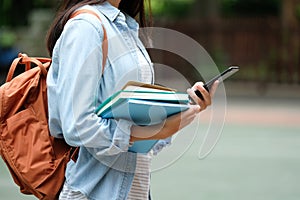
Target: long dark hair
134,8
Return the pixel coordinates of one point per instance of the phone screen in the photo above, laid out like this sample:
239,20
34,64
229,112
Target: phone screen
221,77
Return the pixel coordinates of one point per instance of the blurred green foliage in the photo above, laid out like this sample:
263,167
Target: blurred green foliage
298,11
171,8
231,8
7,38
44,3
16,12
250,7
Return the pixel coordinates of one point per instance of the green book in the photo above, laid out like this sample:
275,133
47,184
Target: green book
154,95
124,95
144,105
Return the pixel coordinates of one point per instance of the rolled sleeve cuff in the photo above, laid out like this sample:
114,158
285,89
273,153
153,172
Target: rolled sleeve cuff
122,135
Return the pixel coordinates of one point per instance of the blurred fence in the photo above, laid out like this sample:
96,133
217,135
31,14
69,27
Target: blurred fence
265,49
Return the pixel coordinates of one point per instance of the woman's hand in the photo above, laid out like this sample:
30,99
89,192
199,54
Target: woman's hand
176,122
207,96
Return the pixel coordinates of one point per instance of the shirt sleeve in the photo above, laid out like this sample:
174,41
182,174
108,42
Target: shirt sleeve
80,68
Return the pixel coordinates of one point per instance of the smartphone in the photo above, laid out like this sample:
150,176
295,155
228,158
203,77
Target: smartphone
221,77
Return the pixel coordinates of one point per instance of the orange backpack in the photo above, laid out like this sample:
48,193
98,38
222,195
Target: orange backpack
35,159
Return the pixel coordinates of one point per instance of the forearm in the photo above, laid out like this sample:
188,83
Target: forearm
153,132
165,129
145,133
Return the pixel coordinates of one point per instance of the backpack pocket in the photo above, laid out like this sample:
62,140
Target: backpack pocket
27,142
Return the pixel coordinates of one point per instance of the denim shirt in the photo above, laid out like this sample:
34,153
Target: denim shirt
76,87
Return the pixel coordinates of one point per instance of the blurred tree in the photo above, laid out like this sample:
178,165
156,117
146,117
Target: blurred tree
15,12
216,8
206,8
289,13
290,43
45,3
171,8
250,7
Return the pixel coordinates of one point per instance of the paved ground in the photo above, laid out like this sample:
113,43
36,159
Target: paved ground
256,158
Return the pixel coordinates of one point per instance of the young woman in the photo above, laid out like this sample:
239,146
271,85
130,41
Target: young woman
77,85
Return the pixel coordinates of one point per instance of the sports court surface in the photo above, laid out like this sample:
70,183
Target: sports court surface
256,158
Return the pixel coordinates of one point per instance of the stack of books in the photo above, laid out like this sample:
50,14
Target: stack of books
143,104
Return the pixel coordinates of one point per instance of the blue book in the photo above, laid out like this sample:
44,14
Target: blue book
143,146
143,107
154,96
143,112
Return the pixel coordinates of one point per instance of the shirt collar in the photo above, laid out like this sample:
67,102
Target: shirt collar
132,24
112,13
109,11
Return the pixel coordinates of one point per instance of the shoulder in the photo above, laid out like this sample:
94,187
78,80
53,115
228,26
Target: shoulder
86,22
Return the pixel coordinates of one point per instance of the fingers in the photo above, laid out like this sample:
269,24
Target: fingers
184,118
193,110
214,88
207,96
189,115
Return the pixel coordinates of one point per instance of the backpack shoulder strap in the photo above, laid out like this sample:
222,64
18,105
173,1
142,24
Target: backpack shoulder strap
42,63
104,43
104,50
